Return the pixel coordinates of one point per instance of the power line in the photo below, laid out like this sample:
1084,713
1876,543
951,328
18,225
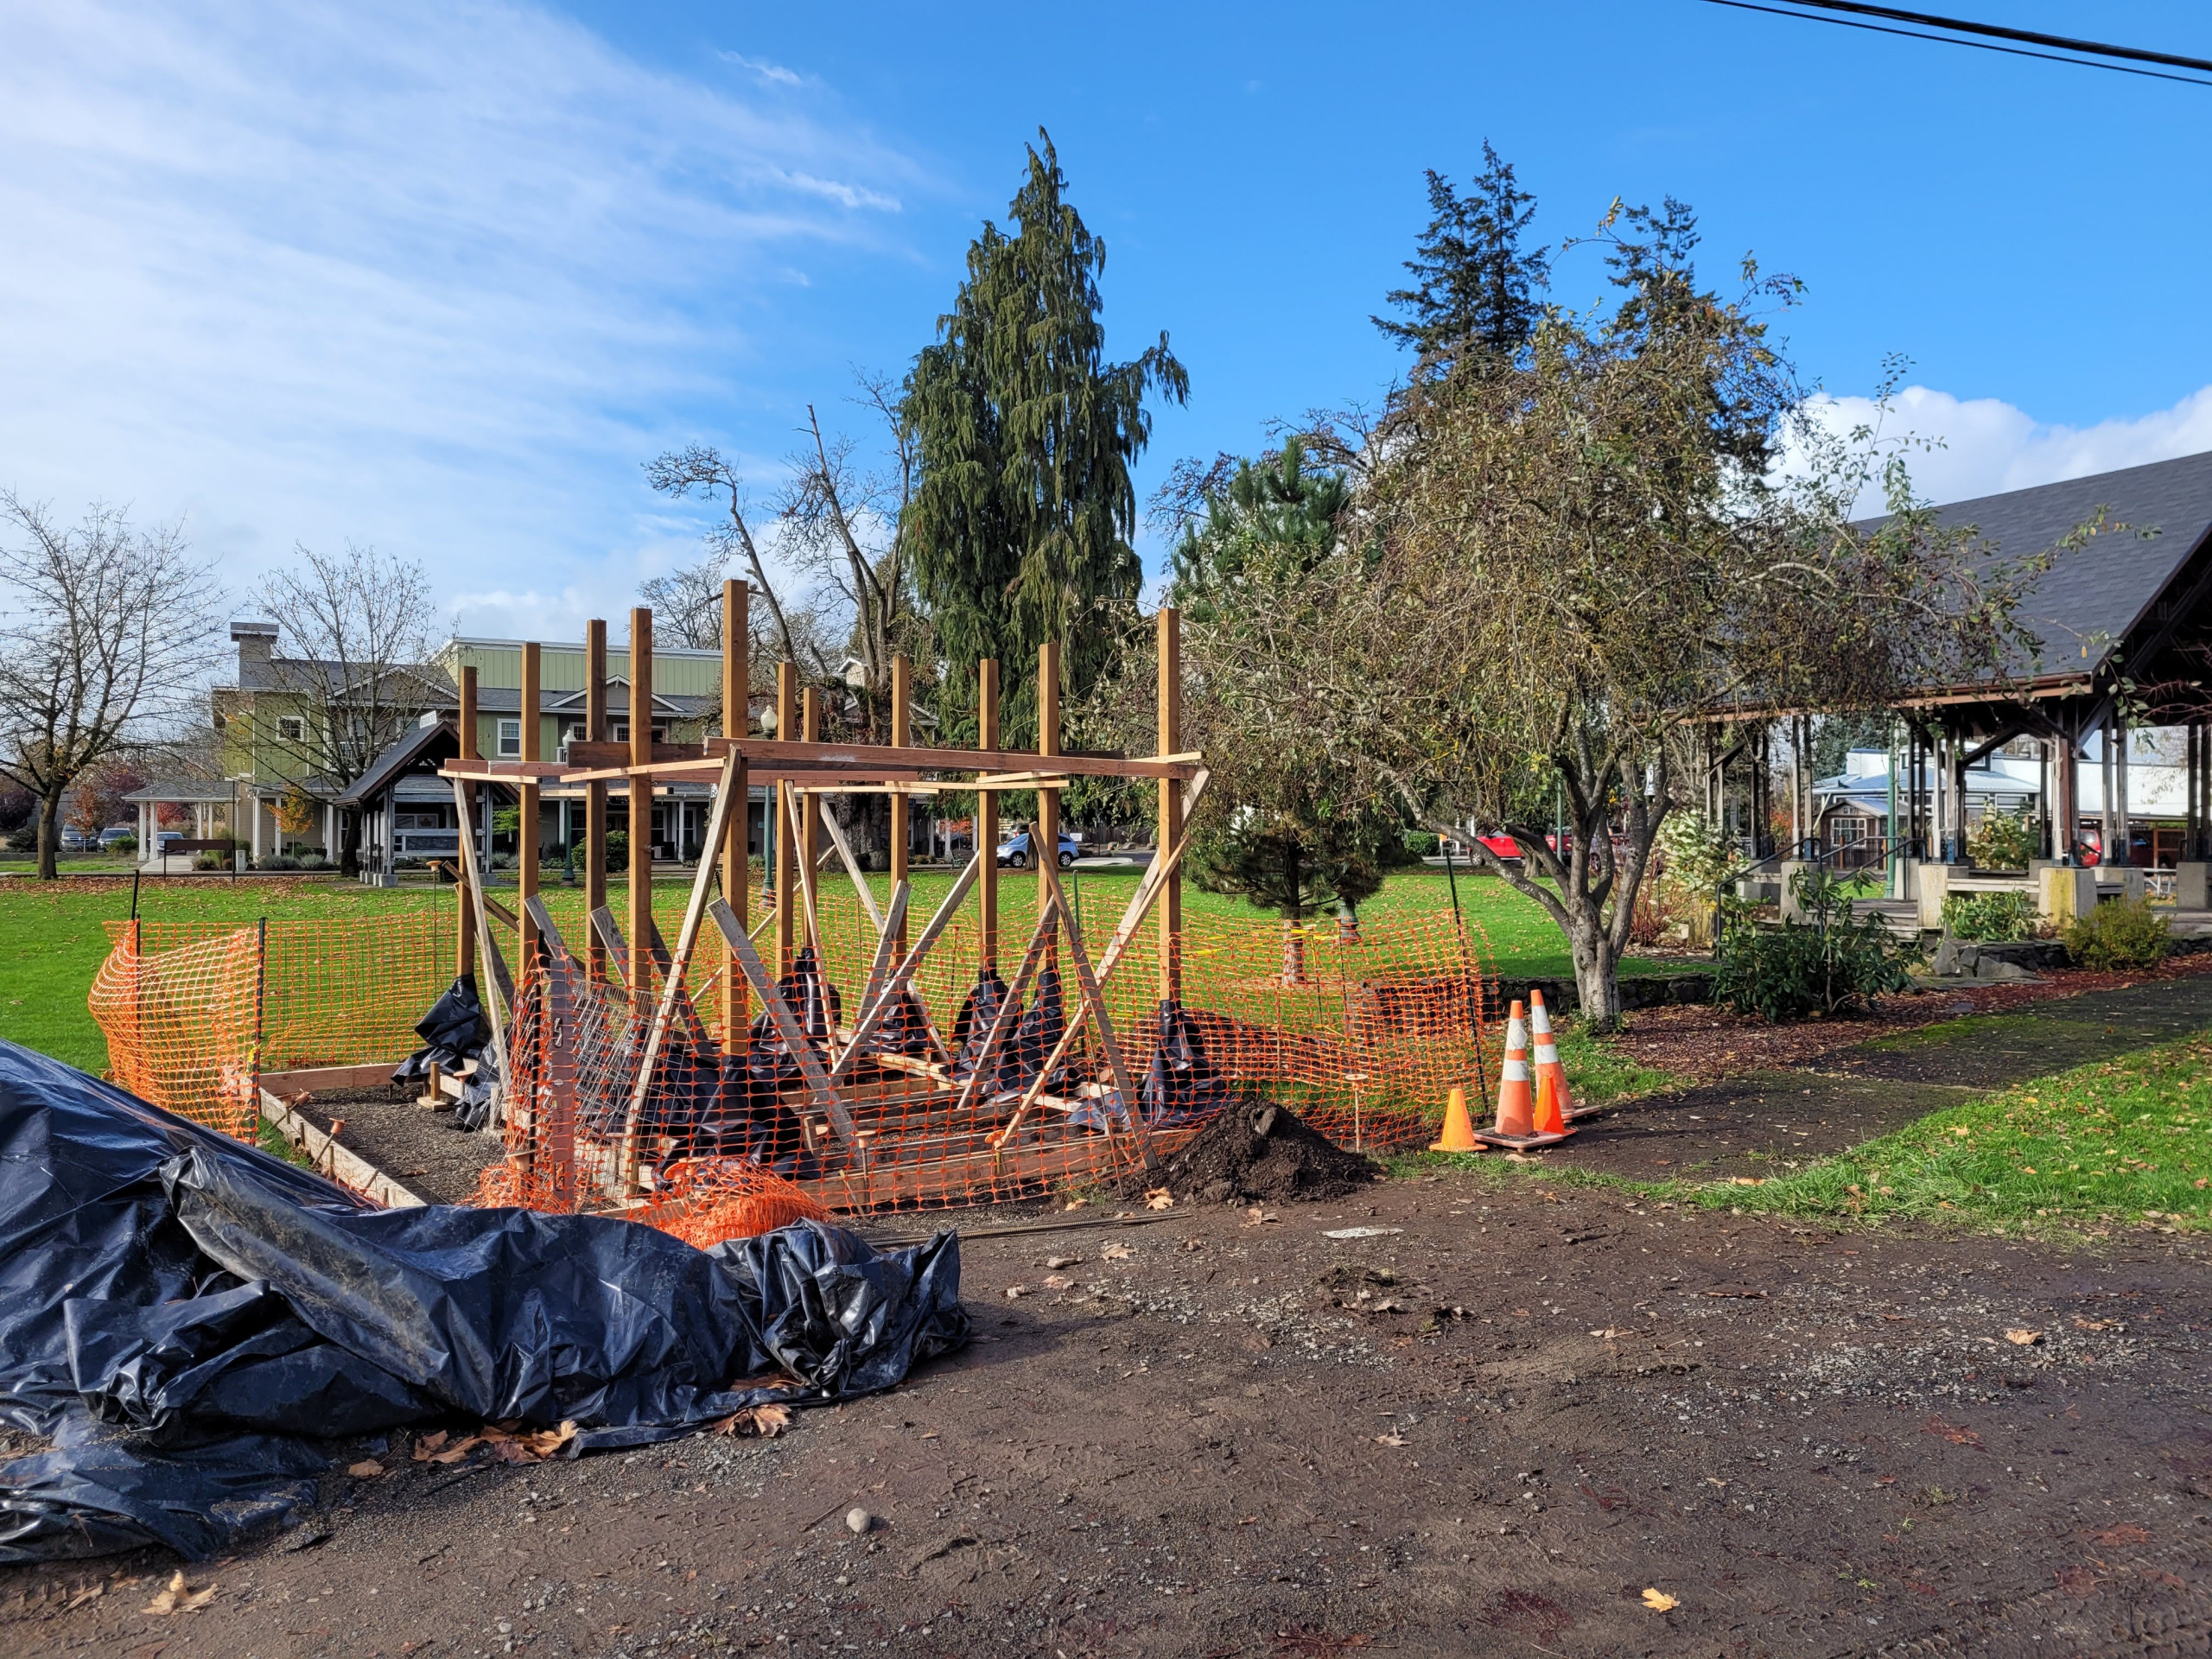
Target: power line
2083,47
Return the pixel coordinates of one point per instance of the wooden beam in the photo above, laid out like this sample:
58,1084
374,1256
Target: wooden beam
594,797
809,819
985,826
640,803
787,1025
497,1007
737,859
903,972
902,736
864,760
1045,829
879,966
533,752
787,849
679,961
1170,831
465,808
1003,1021
852,864
1094,995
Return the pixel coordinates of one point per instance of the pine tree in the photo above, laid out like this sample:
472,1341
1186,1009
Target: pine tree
1274,520
1476,285
1023,512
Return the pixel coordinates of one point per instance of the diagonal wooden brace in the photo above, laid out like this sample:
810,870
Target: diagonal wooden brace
902,974
818,1085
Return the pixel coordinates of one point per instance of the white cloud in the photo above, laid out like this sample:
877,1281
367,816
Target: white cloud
772,74
428,275
1987,446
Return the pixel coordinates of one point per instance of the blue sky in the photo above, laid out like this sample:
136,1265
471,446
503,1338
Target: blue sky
440,278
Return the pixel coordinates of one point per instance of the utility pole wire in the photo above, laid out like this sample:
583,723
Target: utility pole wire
2098,51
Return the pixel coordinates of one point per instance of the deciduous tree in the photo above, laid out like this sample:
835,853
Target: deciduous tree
104,631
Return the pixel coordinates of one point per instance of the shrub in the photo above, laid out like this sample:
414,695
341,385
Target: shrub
2003,840
1834,961
211,861
618,849
2120,934
124,846
277,862
1989,918
314,862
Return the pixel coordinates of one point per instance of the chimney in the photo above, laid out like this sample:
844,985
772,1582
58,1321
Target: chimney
256,643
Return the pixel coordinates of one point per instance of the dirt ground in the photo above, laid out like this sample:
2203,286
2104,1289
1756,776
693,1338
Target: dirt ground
1497,1418
418,1148
1489,1427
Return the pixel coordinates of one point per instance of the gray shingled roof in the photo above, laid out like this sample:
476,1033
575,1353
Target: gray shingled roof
2092,596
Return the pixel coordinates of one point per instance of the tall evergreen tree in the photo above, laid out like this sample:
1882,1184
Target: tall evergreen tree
1273,519
1475,284
1023,510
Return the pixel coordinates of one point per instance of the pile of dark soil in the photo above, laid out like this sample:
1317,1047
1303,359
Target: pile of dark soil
1253,1152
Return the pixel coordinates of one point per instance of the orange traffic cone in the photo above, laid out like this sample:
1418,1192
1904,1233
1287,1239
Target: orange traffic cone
1516,1124
1553,1102
1458,1128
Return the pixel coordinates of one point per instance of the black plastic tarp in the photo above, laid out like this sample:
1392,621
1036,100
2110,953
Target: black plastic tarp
194,1322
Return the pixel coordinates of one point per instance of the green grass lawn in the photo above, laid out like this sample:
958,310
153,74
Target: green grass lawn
53,940
2124,1140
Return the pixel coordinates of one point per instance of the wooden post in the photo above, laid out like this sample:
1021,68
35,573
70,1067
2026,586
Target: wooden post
786,853
641,808
902,692
464,944
987,818
533,749
1170,804
1044,829
595,800
737,864
810,843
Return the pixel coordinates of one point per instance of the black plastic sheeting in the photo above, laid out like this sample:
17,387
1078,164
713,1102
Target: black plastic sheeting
194,1322
456,1029
1181,1085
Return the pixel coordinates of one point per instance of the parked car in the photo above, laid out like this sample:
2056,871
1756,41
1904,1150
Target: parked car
115,833
1014,851
75,841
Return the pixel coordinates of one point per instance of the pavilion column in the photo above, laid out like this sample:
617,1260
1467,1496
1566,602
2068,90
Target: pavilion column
1958,797
2123,850
2066,793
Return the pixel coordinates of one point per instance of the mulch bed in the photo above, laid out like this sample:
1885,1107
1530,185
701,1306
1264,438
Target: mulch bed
1701,1043
417,1147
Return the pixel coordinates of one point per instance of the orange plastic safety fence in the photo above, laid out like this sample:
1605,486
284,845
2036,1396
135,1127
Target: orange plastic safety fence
1363,1033
737,1129
194,1012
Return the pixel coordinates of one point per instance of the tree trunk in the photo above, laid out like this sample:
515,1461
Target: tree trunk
1294,954
1597,977
1347,925
49,836
349,852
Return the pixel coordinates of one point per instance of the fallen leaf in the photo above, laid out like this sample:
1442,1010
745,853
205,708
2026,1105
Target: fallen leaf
2021,1337
2094,1324
367,1469
426,1444
1659,1601
1159,1199
1952,1432
1392,1439
1057,1282
84,1596
175,1598
1015,1291
1056,1262
2123,1534
765,1422
1256,1217
1609,1333
1073,1203
1117,1253
1743,1181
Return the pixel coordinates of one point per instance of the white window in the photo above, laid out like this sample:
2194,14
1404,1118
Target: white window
509,740
571,732
293,728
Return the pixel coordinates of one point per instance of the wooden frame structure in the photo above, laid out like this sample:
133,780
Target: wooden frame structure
844,1083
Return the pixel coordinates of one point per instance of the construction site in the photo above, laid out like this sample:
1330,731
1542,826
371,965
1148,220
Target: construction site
1055,1298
